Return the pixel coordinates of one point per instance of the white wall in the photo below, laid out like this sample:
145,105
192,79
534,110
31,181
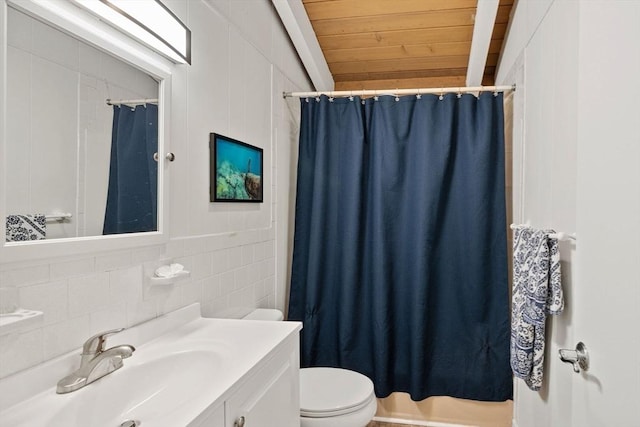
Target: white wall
242,61
540,57
559,151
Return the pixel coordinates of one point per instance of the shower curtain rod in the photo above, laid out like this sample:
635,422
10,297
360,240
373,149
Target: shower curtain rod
132,101
396,92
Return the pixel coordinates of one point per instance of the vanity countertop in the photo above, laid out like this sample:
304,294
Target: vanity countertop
183,363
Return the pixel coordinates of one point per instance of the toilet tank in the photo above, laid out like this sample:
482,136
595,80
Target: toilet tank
265,314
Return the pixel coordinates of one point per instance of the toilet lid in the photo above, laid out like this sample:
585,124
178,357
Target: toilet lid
326,392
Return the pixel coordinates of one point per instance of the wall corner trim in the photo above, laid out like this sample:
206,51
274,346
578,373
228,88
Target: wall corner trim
295,20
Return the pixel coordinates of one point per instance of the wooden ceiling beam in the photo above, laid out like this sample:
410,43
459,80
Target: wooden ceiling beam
428,78
409,64
482,30
406,83
336,9
397,75
404,51
408,21
398,38
295,19
399,22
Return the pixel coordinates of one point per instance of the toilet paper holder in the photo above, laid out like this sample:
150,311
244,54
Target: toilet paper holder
579,357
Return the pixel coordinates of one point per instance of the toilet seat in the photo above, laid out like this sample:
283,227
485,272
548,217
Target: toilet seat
330,392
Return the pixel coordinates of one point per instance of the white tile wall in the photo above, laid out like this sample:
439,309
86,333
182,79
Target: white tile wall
60,337
20,351
50,298
112,317
88,294
79,299
242,61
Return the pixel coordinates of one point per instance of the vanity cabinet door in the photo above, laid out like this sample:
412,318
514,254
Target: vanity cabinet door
271,397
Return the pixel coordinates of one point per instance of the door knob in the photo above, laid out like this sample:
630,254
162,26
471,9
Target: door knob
579,357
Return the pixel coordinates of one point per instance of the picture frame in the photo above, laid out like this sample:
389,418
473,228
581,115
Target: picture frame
236,170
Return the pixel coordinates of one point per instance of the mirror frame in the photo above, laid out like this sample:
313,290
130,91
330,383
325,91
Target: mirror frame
78,23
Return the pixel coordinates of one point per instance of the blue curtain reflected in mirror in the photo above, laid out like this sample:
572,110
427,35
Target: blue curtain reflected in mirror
133,173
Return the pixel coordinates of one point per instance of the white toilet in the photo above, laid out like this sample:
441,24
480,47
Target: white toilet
330,397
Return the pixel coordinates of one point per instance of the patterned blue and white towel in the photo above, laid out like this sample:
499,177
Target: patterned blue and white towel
21,228
537,291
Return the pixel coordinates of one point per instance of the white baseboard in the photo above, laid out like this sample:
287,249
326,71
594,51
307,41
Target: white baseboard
514,423
419,423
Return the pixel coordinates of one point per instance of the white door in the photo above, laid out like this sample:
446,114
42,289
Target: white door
607,287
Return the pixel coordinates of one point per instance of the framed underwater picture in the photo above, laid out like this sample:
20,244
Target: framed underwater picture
236,173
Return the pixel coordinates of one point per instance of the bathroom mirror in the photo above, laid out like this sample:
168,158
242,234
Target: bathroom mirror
84,114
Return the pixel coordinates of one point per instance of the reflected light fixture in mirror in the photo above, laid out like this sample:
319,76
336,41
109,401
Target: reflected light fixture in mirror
149,21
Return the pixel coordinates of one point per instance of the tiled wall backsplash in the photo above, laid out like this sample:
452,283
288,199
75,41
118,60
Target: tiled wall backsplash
81,296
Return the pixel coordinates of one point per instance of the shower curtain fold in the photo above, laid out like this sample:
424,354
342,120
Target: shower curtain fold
399,266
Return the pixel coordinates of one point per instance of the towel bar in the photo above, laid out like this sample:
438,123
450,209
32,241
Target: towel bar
561,235
58,216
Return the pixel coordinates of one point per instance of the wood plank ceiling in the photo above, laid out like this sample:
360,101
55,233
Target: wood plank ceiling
399,44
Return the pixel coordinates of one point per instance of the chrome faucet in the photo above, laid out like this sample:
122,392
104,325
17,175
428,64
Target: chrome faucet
96,362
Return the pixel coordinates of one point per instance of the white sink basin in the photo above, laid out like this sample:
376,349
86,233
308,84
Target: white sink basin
184,366
147,391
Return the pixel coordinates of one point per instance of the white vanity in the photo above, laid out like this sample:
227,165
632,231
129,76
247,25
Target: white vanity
186,371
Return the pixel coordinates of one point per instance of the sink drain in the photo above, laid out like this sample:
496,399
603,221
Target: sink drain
130,423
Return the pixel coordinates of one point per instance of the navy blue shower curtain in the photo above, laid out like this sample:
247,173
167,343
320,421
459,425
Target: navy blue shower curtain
133,173
399,263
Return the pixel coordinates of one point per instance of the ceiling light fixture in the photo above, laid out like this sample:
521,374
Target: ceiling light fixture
149,21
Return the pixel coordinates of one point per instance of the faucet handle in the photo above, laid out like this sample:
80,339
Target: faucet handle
95,344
